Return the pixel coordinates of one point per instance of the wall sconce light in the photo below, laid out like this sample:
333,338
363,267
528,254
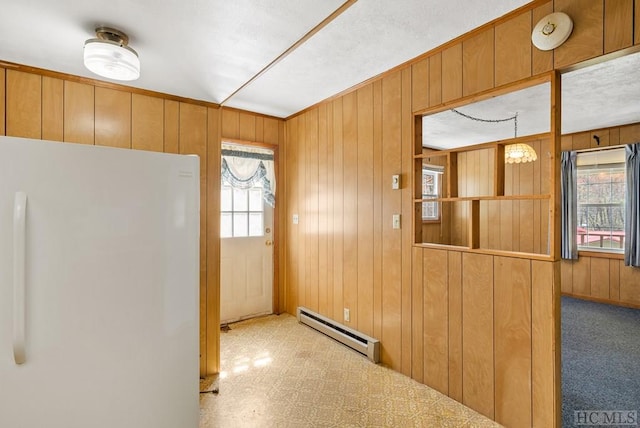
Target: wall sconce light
109,56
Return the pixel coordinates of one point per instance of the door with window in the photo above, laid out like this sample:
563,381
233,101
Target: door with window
246,232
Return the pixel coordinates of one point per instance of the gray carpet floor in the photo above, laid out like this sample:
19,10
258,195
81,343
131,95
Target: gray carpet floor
600,358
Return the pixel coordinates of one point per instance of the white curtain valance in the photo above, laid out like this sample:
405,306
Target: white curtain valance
243,167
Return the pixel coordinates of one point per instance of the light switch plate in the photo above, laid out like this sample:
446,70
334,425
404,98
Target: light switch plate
395,182
295,219
396,221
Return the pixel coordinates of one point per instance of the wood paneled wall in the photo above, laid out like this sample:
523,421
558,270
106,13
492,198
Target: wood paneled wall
494,344
599,276
67,109
344,253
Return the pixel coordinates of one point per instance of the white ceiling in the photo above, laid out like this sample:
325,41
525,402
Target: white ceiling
208,49
594,97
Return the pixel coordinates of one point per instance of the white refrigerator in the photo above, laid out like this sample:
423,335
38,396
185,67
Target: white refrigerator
99,268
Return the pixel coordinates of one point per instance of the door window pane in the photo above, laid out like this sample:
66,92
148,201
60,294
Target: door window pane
255,224
240,200
240,224
255,199
226,201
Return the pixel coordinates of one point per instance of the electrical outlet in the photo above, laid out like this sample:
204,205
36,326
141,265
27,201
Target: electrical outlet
396,221
346,315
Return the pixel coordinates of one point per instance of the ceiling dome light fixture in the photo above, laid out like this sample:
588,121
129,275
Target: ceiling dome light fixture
109,56
552,31
519,153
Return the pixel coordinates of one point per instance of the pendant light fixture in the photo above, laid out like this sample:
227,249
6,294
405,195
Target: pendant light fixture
108,55
519,153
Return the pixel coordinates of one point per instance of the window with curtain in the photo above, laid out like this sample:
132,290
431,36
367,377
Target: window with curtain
600,188
248,182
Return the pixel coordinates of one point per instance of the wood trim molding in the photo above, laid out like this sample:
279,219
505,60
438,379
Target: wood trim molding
601,300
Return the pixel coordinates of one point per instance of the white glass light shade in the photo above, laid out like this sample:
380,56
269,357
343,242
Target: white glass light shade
519,153
111,60
552,31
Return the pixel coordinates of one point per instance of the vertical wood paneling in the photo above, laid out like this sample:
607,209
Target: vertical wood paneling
545,355
418,362
478,63
303,219
420,84
614,279
3,75
311,199
435,79
52,109
213,231
477,333
323,206
566,267
581,141
172,126
586,40
378,186
629,134
365,208
513,40
581,273
618,25
270,132
330,212
193,140
452,73
406,231
630,285
512,323
455,324
293,208
247,124
436,320
338,210
350,148
391,242
230,123
113,118
146,114
23,104
541,61
599,278
79,113
259,128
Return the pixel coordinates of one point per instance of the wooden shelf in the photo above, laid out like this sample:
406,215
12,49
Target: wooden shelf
488,198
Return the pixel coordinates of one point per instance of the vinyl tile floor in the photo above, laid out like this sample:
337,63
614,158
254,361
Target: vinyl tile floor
276,372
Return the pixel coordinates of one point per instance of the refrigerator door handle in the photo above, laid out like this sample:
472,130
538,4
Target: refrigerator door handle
19,315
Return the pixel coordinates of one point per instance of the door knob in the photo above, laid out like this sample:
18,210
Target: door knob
268,243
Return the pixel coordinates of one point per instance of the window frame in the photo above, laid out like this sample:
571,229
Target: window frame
435,172
594,250
248,212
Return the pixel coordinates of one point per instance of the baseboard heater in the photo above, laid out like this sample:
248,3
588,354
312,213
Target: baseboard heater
367,346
